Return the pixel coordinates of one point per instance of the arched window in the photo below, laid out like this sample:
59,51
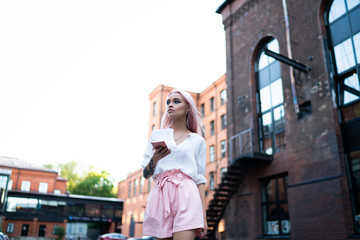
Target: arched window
342,19
270,100
343,24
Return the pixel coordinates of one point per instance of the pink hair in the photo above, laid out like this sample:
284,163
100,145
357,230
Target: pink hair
193,119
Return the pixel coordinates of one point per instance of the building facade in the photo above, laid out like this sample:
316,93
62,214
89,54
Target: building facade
211,103
293,119
37,204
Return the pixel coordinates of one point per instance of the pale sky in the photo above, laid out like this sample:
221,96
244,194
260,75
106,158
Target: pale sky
75,74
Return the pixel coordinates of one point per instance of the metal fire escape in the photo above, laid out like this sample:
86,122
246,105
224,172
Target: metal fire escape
242,157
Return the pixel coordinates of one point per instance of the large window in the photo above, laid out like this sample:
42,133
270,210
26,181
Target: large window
342,20
212,128
223,97
271,112
212,105
223,148
43,187
343,24
223,121
212,153
10,228
212,181
25,186
275,206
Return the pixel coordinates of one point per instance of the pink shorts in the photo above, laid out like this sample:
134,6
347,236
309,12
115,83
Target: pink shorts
173,205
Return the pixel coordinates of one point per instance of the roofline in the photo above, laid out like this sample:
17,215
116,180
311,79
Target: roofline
222,6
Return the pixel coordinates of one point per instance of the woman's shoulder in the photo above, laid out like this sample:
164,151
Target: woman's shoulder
198,137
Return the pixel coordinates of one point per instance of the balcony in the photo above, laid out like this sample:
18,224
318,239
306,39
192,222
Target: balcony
242,156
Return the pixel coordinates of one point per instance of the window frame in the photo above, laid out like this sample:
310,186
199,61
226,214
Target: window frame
212,104
340,77
276,133
25,186
265,203
212,128
10,227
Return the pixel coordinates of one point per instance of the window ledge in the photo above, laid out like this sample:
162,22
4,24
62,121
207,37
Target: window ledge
274,237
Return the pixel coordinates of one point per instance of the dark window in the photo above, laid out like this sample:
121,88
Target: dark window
212,128
42,230
154,109
202,109
271,112
212,181
130,189
25,230
223,97
10,227
223,121
223,171
212,107
153,127
135,187
223,148
275,208
142,179
343,24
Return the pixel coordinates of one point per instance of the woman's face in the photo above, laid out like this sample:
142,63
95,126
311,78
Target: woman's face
176,106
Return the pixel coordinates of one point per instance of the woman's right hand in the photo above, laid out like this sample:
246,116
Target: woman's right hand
160,153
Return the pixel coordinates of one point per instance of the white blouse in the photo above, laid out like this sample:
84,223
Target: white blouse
189,156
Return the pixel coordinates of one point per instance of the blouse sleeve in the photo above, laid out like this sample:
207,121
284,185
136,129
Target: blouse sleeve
201,163
148,153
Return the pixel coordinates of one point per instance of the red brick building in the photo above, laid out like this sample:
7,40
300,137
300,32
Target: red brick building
294,100
37,204
211,102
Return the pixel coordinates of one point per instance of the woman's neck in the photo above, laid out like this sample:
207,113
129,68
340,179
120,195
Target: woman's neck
179,126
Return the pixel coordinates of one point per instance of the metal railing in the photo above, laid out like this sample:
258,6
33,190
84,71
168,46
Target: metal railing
241,143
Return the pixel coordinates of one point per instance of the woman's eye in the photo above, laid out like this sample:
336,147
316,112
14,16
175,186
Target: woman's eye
167,102
176,101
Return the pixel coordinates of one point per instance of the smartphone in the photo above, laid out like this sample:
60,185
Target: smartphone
159,144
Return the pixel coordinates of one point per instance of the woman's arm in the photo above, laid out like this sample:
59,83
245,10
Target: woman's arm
159,153
201,188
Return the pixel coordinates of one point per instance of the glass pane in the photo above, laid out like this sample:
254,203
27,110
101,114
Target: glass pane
357,46
272,212
263,61
265,98
349,97
284,211
270,188
282,189
352,82
344,55
279,118
280,141
266,121
276,92
273,46
337,9
352,3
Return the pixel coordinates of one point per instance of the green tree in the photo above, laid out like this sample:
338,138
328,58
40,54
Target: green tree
67,171
60,232
95,184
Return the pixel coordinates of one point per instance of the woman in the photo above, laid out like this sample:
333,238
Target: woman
176,205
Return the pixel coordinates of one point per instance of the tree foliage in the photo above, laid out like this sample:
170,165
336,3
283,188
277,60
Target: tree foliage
95,184
91,184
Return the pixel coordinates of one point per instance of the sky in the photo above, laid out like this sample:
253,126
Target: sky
75,75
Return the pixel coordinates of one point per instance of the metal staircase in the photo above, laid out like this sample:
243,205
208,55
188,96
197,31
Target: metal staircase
245,159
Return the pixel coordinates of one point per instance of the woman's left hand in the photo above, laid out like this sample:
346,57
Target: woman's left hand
202,233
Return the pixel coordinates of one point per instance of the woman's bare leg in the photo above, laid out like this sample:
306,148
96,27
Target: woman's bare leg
185,235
